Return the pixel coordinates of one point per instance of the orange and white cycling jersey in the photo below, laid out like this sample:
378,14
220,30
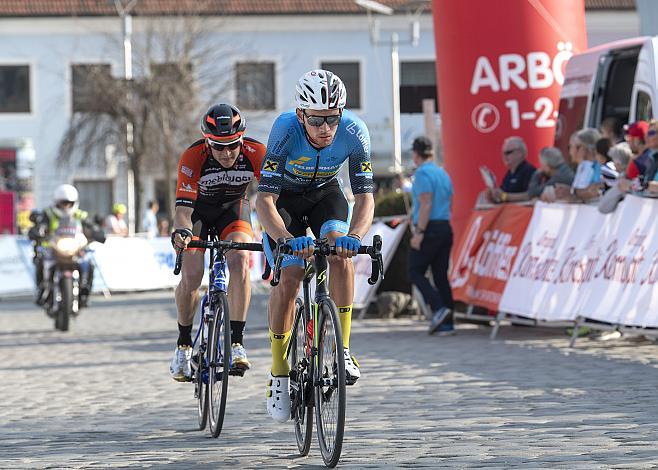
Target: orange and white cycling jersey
201,178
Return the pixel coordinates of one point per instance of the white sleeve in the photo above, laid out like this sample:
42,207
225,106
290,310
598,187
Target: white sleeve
584,175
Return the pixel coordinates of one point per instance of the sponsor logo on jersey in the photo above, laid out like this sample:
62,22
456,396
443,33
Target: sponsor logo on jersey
186,188
310,174
186,171
270,165
366,167
353,129
299,161
233,178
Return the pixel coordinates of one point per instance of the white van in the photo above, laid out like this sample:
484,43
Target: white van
617,79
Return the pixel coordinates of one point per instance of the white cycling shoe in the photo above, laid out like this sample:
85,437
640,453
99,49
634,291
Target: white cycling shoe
278,398
352,372
181,364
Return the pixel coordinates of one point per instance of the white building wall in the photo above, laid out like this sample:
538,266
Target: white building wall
295,43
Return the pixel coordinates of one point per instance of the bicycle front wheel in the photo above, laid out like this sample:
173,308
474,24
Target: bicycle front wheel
201,376
218,368
301,380
330,393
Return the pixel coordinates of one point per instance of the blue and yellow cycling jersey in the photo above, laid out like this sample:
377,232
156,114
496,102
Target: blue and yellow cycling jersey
292,164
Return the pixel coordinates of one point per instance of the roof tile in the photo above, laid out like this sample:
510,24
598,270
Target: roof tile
32,8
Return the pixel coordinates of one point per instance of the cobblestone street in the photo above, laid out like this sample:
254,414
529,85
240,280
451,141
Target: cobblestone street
100,396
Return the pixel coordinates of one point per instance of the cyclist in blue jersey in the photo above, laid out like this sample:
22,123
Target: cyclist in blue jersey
299,189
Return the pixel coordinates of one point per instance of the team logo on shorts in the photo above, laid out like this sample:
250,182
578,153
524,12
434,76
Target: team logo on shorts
366,167
270,165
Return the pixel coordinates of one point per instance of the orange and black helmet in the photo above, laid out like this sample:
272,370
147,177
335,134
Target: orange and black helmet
223,124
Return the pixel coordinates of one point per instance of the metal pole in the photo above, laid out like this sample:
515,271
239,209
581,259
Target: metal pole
127,46
128,75
395,83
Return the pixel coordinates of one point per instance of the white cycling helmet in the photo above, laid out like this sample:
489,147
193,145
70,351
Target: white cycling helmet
320,89
65,193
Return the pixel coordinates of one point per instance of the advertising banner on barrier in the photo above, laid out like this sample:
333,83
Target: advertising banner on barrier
16,277
391,237
486,252
128,264
575,261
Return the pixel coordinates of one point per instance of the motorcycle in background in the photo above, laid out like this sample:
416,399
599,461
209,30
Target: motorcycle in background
66,267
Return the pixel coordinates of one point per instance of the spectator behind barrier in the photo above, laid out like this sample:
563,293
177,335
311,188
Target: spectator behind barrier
603,146
609,173
552,170
621,155
641,170
586,185
636,135
652,144
612,130
163,227
115,223
150,220
515,183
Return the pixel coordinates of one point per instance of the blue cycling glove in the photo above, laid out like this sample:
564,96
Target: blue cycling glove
300,243
348,243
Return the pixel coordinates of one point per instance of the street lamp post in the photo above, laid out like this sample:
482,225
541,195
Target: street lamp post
127,28
395,94
373,6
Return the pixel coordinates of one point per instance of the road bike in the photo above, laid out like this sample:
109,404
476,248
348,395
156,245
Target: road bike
315,352
211,356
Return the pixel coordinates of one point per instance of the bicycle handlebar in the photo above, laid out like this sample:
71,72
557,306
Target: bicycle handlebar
222,245
322,247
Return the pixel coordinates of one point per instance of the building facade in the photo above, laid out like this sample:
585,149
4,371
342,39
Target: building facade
42,52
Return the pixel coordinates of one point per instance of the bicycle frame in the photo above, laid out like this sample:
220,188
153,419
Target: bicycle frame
216,284
318,269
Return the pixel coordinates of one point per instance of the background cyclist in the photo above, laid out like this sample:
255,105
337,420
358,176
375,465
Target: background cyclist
213,176
299,188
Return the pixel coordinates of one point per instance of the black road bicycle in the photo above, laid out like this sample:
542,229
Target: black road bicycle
315,353
211,357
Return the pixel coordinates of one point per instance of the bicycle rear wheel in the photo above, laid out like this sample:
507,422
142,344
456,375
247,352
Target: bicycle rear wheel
218,368
301,380
330,393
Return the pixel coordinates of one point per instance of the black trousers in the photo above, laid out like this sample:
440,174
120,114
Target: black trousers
434,253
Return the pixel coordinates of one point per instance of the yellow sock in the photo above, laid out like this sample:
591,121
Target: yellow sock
279,344
345,317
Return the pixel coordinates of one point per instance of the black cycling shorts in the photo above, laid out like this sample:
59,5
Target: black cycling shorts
226,218
323,210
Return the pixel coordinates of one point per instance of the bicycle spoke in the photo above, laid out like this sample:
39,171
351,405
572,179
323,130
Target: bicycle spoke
330,391
300,376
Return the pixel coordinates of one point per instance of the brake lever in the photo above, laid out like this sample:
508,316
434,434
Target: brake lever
179,262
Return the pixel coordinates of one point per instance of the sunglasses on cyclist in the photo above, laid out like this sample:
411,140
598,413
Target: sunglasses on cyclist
317,121
219,146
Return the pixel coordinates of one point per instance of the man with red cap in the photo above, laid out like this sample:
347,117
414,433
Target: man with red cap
636,136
